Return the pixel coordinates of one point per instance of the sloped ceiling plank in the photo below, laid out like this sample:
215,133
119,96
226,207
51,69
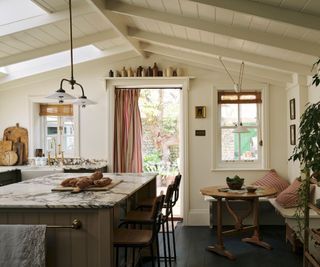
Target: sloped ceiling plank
39,21
212,64
55,48
267,11
231,31
202,48
116,23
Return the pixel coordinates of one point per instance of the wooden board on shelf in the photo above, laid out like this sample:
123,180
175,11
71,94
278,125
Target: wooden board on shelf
93,188
311,259
5,146
13,133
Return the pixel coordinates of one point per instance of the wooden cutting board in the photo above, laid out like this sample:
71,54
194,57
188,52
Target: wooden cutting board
13,133
5,146
93,188
8,158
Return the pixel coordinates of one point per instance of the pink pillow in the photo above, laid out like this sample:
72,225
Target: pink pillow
289,197
272,179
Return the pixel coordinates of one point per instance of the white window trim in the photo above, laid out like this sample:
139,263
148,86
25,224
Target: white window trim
36,131
217,164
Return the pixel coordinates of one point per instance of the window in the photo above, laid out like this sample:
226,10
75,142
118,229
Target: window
240,149
59,129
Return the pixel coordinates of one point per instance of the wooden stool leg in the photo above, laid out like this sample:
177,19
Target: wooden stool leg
173,238
158,250
169,248
117,257
152,256
133,257
164,245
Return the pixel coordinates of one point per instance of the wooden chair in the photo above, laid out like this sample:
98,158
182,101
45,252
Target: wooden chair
140,238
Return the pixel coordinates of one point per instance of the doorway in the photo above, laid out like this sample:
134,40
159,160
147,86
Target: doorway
161,125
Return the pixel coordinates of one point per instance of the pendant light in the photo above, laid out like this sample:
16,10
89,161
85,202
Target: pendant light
61,94
237,88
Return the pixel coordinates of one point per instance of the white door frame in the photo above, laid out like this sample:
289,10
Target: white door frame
154,82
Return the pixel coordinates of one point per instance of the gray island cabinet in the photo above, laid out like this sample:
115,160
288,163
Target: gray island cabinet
33,202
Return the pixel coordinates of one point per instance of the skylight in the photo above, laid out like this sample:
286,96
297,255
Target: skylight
51,62
16,10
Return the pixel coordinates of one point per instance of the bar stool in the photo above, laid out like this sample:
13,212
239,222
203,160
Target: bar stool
140,238
138,217
147,204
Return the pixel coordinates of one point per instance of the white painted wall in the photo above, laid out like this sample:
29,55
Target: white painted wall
94,131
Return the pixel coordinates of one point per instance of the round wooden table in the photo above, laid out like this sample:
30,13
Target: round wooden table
253,199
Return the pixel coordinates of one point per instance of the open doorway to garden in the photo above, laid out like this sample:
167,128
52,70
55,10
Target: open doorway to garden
160,115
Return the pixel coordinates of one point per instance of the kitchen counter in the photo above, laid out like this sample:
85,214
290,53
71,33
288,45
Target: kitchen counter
32,202
36,193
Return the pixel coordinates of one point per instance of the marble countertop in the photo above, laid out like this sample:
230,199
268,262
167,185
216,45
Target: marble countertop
52,168
36,193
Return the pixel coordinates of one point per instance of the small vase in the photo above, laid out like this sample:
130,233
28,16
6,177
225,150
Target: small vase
124,72
155,70
110,73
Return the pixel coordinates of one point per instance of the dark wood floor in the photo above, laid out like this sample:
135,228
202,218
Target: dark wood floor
193,240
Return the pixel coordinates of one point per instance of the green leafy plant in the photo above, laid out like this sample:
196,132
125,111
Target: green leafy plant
307,151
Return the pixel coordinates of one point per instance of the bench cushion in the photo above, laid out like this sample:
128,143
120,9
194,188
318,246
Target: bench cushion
272,179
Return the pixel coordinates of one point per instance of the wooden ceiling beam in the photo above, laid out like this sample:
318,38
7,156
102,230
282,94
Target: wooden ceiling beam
60,47
116,22
259,37
249,71
266,11
215,51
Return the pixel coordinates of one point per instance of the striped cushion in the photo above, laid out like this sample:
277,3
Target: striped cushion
289,197
272,179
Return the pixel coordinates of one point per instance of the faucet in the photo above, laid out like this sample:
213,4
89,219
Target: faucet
57,156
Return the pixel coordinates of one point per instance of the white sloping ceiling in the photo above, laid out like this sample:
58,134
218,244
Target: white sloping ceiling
275,37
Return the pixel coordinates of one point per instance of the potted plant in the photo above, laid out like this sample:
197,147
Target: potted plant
307,151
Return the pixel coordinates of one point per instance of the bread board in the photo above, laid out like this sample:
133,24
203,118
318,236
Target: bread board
5,146
13,133
92,188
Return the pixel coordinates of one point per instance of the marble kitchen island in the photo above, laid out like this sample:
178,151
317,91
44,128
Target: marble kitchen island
33,202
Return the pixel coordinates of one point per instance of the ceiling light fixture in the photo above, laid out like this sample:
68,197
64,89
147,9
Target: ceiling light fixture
236,86
61,94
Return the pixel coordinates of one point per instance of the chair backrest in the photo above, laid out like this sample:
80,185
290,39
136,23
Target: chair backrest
168,200
157,213
176,184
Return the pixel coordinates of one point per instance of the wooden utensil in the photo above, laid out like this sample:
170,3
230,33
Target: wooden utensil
13,133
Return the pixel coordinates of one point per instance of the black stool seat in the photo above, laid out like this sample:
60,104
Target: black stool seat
132,237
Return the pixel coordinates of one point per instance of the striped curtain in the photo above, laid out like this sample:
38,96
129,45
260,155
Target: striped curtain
127,151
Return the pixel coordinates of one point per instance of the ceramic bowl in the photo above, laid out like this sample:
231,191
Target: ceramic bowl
251,189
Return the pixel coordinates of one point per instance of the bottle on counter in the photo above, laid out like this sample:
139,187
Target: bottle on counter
124,72
110,73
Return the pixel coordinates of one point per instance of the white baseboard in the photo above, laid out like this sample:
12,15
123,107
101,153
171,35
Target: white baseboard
198,217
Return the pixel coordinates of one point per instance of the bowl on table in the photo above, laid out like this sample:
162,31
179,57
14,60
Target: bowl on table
251,188
235,183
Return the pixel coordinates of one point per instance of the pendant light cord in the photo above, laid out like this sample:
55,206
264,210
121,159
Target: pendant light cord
71,45
227,70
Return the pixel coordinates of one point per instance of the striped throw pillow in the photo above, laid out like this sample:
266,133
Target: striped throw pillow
289,198
272,179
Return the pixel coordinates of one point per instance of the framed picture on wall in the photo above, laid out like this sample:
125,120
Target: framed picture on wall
292,108
292,134
200,112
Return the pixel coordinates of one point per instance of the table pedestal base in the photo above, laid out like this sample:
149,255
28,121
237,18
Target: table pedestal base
256,241
219,249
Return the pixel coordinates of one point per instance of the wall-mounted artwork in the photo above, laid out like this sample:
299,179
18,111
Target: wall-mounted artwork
200,112
292,108
292,134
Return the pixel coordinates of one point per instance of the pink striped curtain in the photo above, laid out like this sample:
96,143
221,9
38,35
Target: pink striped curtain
127,152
